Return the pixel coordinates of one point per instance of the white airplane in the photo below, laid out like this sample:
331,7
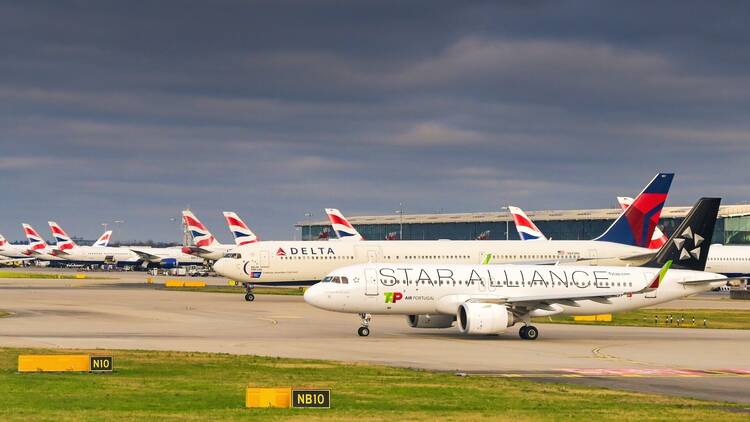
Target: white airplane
170,257
306,262
728,260
240,231
341,226
38,247
204,244
67,249
13,253
490,299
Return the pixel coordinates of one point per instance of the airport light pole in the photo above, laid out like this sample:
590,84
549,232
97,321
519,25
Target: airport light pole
119,224
507,222
308,215
400,212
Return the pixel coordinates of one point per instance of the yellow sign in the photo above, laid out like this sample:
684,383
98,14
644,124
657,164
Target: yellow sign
53,363
178,283
603,317
101,364
268,397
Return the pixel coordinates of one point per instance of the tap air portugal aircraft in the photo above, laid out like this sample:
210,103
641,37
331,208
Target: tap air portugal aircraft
727,260
489,299
204,244
305,263
343,228
67,249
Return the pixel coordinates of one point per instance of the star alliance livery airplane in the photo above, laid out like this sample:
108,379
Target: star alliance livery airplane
490,299
306,262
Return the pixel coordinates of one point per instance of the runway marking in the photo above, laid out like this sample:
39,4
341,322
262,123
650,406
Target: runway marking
619,373
597,351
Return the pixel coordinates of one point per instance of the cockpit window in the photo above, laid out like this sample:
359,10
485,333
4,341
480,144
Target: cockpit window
337,280
344,280
327,279
233,255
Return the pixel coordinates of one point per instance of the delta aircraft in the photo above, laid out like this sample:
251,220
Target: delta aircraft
490,299
305,263
67,249
728,260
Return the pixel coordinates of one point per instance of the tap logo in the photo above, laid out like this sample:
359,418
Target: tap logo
393,297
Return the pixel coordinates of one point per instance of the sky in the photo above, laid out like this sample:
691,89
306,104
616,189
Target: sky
132,111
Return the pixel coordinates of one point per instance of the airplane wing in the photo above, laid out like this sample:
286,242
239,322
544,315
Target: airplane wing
15,259
564,298
198,249
713,280
147,256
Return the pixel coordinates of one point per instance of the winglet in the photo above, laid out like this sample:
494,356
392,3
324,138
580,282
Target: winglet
486,259
659,277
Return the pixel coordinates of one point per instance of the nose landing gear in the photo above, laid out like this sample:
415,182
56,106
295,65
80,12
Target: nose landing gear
249,296
364,330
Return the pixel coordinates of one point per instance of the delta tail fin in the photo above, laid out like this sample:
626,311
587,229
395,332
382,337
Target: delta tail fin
658,239
341,226
688,246
635,226
103,240
526,228
241,232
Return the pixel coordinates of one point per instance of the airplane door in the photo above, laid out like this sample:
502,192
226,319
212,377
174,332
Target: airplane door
649,277
371,282
264,259
593,256
372,256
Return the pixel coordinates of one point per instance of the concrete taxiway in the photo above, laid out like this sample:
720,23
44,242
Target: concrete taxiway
104,314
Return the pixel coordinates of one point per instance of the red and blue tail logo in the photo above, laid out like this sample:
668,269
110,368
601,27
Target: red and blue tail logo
62,240
526,228
2,240
241,232
200,234
658,239
342,227
36,241
103,240
636,225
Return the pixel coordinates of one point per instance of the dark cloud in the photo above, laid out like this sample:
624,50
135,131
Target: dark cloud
134,110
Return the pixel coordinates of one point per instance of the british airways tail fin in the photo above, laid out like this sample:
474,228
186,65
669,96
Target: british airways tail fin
343,228
3,242
200,234
658,239
636,225
62,240
241,232
688,246
103,240
526,228
36,241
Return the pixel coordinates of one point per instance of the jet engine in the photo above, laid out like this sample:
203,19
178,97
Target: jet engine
168,263
484,318
430,321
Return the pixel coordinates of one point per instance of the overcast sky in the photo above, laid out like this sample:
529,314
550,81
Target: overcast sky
133,110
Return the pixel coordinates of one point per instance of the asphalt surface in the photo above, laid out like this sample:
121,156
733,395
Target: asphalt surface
701,363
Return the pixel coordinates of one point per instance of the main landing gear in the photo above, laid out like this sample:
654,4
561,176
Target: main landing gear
364,330
249,296
528,332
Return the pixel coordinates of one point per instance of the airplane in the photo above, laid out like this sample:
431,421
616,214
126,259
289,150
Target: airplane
306,262
731,260
104,239
490,299
12,253
241,232
38,247
68,250
205,244
341,226
170,257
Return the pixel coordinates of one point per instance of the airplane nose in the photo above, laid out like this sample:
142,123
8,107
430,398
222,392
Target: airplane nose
222,267
313,296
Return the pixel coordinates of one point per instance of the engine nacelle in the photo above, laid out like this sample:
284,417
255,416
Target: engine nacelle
484,318
168,263
430,321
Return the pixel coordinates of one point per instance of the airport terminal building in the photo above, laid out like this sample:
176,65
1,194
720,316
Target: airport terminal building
732,227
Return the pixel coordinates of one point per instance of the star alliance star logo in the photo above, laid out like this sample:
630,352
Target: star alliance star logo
682,242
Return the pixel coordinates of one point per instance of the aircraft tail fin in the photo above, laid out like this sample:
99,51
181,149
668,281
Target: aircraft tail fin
36,241
688,246
636,225
658,239
200,234
3,242
343,228
63,242
526,228
104,239
241,232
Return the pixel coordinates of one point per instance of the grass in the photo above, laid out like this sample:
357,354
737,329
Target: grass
715,318
19,274
283,291
202,386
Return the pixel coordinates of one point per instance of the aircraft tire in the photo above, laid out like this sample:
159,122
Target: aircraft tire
249,297
522,332
531,333
363,331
